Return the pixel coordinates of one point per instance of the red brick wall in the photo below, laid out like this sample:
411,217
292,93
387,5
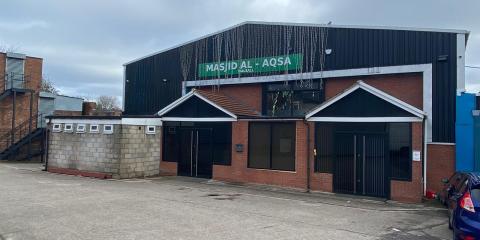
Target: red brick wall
318,181
321,182
406,87
238,171
33,77
440,164
2,71
89,108
67,113
411,191
248,94
168,168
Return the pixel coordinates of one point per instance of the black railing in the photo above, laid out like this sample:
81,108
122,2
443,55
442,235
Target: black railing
22,130
14,81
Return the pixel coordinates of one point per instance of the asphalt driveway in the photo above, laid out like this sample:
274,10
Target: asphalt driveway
40,205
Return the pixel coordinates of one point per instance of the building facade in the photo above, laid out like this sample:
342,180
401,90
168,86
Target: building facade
348,109
56,104
20,81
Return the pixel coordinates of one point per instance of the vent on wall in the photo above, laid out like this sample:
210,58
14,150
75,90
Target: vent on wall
442,58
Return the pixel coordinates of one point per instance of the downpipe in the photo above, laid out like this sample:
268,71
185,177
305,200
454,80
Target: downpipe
424,156
46,144
308,155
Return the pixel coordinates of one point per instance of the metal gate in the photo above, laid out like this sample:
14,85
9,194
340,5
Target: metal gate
360,164
196,152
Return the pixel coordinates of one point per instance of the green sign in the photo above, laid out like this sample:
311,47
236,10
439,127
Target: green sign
252,65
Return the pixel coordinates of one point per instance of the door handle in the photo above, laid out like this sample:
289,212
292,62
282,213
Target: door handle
196,157
191,153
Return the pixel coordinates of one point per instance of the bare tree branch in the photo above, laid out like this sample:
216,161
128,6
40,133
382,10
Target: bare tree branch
8,48
47,86
107,104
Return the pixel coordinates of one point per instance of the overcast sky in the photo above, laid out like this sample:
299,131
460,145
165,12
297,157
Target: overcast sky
84,43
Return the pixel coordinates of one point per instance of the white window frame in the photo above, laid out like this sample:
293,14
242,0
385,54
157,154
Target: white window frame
148,131
81,126
94,131
57,127
68,125
105,131
16,57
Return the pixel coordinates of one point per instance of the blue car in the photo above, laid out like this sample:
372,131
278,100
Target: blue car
464,206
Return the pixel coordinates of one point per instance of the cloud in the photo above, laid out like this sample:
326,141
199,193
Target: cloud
85,43
22,26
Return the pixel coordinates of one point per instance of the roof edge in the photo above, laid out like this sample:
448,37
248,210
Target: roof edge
185,43
184,98
378,27
458,31
372,90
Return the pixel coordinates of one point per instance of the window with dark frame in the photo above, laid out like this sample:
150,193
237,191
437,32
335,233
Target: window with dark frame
171,147
15,72
292,98
324,147
271,146
222,144
400,151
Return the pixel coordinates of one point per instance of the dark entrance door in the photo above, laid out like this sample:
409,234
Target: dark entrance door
360,164
195,152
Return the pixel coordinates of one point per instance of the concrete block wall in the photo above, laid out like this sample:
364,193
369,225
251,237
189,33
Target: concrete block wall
91,152
127,153
139,152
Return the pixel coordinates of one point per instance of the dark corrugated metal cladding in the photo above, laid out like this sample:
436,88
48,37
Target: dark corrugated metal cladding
146,92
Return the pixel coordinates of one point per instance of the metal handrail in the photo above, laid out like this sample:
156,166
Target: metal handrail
19,132
14,80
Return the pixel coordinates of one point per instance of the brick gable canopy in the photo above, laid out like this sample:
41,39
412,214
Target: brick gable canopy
364,103
203,105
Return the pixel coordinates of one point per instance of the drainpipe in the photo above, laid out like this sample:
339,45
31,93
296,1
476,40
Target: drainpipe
424,156
308,156
46,143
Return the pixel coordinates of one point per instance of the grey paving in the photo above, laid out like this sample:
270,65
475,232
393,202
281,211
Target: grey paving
39,205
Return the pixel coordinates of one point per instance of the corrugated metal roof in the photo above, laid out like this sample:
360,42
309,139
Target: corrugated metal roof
308,25
53,95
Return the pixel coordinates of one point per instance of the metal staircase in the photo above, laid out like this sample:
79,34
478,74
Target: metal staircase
5,94
26,139
23,142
